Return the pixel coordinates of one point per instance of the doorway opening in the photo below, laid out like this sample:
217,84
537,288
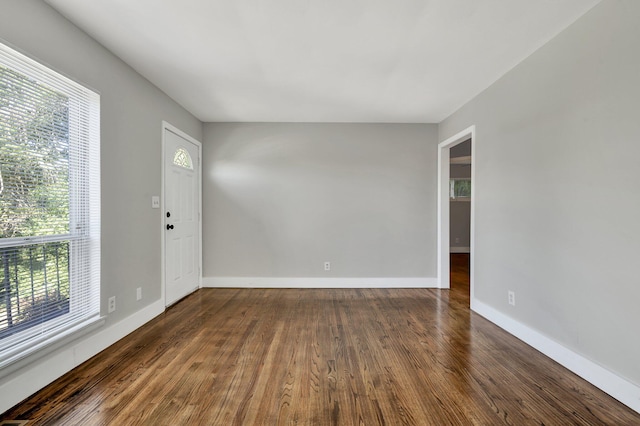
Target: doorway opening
460,216
456,172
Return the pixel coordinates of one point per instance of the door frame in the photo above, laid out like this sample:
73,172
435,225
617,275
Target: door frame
168,126
444,248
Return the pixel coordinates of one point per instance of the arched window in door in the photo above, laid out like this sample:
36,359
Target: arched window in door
182,159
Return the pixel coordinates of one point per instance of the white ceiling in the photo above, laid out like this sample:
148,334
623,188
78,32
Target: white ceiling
402,61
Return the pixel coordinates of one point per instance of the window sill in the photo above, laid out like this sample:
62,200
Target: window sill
39,351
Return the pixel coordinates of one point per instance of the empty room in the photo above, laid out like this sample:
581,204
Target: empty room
415,212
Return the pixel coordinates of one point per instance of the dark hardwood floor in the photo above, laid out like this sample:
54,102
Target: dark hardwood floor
459,275
322,357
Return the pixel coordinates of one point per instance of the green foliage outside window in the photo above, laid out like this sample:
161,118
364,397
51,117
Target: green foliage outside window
34,158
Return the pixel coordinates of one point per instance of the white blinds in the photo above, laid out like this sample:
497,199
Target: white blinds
49,205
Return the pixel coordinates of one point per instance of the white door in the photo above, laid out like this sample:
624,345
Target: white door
181,216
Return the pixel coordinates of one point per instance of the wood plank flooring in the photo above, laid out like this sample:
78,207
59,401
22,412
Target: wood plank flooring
322,357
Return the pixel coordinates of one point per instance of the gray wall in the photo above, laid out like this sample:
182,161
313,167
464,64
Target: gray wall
280,199
132,111
463,149
459,225
557,142
460,211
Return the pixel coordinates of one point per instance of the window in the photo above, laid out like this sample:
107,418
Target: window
183,159
460,189
49,206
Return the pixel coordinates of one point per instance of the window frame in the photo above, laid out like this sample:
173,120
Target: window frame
84,218
452,182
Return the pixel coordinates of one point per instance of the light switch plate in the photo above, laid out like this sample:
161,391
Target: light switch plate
155,202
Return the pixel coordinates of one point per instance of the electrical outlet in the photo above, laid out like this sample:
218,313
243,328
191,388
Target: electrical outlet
512,298
457,239
327,266
139,293
112,304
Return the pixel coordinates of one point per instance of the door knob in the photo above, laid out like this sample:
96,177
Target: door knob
169,227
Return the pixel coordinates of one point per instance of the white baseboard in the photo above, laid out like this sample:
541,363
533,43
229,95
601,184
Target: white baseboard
19,385
459,249
314,282
616,386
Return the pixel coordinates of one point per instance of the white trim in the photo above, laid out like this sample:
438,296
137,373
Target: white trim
459,249
609,382
196,164
443,206
313,282
30,379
